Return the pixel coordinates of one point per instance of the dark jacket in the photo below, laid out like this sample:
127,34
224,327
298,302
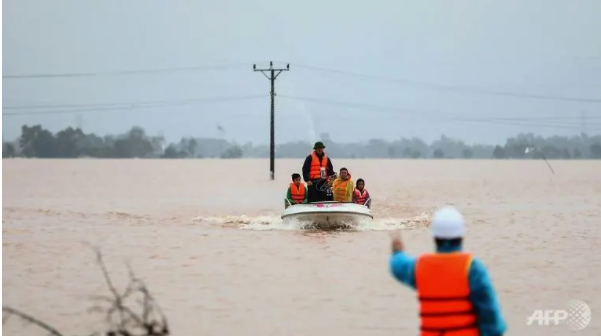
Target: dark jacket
307,167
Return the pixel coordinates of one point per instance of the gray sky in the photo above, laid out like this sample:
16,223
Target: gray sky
538,47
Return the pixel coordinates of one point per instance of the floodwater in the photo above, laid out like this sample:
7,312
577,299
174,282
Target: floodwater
206,237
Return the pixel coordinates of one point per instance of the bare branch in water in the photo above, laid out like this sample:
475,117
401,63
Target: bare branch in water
7,312
121,319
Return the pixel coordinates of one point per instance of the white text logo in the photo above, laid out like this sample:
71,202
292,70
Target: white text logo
577,316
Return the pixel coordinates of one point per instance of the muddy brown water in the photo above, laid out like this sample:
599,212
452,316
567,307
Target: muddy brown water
206,237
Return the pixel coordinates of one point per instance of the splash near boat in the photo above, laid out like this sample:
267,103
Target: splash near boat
328,214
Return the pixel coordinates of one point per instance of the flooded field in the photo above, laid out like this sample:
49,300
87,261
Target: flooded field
207,238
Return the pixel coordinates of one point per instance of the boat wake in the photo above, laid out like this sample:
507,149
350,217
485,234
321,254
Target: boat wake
266,223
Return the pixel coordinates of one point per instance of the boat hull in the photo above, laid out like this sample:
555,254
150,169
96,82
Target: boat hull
328,214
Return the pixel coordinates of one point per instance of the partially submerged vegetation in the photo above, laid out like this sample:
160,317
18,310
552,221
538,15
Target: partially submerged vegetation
121,318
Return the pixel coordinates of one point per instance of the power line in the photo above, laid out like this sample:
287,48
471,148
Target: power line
88,105
457,88
452,87
125,72
273,75
139,105
51,106
99,107
426,113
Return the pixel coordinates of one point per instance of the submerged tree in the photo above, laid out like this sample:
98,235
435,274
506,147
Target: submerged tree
122,319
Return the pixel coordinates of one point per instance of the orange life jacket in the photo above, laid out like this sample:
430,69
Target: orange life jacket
297,193
315,171
339,189
443,288
360,197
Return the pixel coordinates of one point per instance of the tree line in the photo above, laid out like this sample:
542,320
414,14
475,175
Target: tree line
38,142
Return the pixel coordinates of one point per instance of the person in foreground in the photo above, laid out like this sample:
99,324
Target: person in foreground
317,167
455,293
297,191
342,187
361,195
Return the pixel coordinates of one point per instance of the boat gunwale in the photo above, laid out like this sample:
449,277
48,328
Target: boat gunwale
328,213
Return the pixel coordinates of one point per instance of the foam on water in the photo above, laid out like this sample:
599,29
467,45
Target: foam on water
263,223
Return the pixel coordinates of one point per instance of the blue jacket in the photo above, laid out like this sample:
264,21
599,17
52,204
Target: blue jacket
482,293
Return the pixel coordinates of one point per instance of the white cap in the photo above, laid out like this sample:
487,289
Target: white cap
447,223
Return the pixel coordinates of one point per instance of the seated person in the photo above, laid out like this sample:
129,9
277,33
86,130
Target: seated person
297,191
343,186
361,195
326,189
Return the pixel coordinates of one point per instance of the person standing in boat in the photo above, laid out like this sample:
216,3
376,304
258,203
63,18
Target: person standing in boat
456,296
342,187
297,192
317,167
361,195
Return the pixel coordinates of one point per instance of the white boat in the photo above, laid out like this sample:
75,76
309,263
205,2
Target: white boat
328,214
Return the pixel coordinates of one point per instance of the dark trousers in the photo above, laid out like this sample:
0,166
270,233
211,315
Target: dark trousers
312,194
316,195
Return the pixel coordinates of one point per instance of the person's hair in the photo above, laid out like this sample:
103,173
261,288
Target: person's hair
448,243
295,176
359,181
341,169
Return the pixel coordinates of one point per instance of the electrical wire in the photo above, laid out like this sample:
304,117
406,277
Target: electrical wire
126,72
432,114
457,88
100,107
89,105
137,105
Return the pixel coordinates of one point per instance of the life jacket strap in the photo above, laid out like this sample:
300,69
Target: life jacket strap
461,312
443,298
444,330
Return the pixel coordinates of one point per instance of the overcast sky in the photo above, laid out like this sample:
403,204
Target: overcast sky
422,55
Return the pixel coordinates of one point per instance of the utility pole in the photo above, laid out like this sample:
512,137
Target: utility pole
273,74
583,123
79,121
